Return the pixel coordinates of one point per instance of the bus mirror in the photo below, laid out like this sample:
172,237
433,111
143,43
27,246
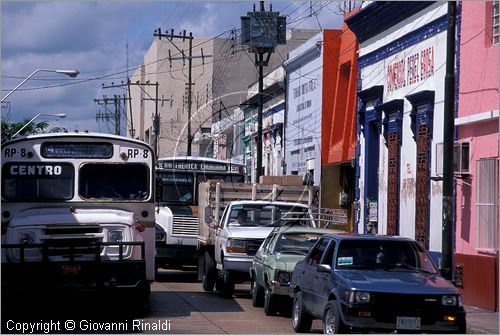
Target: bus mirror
159,188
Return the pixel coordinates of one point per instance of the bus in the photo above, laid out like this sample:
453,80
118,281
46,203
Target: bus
78,213
177,222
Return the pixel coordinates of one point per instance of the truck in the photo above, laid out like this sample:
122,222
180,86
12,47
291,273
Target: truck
177,205
228,239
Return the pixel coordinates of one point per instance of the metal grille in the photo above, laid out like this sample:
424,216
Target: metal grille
66,240
487,204
422,187
392,187
185,225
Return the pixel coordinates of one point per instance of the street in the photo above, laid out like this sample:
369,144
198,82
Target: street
177,305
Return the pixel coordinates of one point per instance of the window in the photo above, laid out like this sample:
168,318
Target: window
487,204
495,22
114,181
317,252
39,182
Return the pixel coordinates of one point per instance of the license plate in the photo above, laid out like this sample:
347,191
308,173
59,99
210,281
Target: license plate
71,270
404,322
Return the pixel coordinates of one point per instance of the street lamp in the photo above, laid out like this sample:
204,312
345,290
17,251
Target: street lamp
59,115
71,73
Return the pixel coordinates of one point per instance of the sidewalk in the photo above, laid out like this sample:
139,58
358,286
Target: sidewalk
480,321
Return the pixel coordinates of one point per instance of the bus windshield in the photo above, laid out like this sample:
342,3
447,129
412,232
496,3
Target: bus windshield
40,181
114,181
179,187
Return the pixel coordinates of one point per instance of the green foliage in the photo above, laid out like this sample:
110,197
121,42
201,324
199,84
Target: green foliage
10,128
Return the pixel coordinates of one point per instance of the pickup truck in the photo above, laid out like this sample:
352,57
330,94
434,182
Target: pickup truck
243,227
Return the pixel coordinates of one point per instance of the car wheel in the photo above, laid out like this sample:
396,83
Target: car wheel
301,322
332,322
257,293
269,302
209,274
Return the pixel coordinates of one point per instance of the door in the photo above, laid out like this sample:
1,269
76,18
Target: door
309,273
322,283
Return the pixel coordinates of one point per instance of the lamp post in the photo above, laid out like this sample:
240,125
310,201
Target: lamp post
71,73
59,115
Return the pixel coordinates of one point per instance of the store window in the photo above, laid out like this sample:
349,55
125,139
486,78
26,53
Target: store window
487,204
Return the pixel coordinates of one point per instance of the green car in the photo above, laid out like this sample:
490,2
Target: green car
273,264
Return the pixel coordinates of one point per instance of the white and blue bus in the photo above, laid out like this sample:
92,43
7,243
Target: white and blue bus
78,212
177,221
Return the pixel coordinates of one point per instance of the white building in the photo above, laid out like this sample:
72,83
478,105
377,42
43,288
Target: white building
304,82
401,64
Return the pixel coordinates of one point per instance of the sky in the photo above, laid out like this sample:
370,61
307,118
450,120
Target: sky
106,41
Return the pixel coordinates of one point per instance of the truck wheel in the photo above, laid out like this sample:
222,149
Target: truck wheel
257,292
301,322
209,274
228,289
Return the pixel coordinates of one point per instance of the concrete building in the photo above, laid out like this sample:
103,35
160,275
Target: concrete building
220,74
401,72
477,182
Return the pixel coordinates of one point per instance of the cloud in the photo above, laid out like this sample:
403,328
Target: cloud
92,37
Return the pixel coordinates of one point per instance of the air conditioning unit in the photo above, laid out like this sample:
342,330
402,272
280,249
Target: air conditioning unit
461,160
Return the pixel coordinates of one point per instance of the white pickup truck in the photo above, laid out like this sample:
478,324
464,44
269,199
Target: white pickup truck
227,242
243,227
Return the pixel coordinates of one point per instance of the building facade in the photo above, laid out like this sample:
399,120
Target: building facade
401,71
477,148
338,130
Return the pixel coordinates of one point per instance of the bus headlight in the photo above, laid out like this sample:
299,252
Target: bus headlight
115,236
26,237
160,233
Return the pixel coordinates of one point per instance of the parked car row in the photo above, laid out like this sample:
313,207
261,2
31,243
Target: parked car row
353,283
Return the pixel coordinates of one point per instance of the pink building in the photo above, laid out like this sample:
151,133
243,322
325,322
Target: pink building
476,155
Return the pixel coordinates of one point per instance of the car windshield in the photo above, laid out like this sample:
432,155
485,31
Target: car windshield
295,242
383,255
268,215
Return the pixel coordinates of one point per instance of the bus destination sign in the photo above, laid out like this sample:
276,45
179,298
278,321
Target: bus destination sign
198,166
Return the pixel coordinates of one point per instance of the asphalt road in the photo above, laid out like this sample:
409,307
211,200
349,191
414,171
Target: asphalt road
177,305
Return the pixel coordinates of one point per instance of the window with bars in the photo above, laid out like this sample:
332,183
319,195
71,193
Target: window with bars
496,20
487,204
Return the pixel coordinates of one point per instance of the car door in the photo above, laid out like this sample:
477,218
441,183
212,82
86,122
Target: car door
261,257
322,283
309,272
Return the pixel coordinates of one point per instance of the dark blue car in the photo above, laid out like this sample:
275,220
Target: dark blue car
373,282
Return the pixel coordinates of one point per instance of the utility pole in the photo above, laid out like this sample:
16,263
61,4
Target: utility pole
262,31
156,118
448,143
170,37
116,101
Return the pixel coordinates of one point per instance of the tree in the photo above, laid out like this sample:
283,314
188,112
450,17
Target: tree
10,128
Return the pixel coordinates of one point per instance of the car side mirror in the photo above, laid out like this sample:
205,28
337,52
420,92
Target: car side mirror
325,268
